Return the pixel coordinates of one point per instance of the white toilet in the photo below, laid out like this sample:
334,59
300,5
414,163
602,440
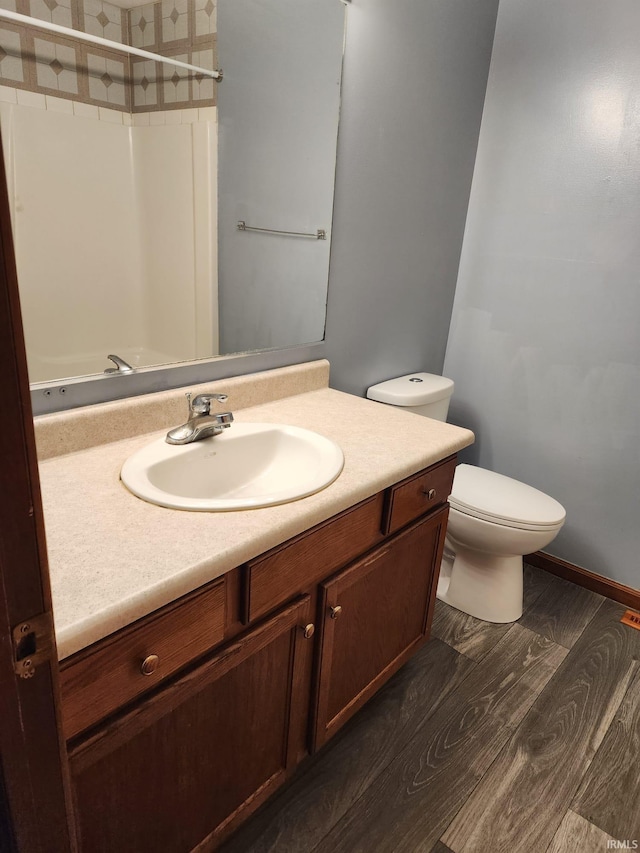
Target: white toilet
493,520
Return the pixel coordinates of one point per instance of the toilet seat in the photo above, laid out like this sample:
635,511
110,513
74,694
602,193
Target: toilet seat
500,500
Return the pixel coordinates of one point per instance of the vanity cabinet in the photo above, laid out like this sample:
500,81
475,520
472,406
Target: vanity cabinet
376,614
256,670
180,768
298,565
106,677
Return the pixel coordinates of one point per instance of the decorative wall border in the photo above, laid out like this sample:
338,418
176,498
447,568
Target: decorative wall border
52,65
37,100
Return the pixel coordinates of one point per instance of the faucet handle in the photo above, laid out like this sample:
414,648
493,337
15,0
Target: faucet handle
121,366
201,405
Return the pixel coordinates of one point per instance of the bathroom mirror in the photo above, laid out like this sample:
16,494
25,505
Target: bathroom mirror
128,179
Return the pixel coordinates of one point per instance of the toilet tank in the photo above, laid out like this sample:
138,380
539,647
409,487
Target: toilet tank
423,393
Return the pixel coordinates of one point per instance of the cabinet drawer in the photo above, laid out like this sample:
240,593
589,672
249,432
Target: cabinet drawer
418,494
101,679
291,569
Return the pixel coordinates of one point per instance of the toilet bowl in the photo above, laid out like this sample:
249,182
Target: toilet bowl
493,520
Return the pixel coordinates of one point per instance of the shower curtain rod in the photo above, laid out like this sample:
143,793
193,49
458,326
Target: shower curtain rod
113,45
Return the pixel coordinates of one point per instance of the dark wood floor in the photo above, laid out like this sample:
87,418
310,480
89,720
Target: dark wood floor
522,737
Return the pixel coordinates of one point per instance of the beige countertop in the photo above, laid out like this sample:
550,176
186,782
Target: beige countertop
114,558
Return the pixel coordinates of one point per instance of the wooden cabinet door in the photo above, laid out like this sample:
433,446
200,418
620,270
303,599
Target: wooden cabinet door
376,613
185,766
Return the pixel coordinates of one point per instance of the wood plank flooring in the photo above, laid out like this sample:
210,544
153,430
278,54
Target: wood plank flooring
577,835
523,737
562,611
609,795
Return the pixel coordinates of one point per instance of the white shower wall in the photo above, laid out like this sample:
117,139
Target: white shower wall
114,229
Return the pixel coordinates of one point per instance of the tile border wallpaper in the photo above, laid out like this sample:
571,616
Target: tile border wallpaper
63,67
188,115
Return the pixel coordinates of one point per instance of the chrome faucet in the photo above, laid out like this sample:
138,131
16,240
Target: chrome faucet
121,366
202,423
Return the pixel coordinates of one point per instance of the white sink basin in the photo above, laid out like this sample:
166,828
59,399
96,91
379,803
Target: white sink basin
248,466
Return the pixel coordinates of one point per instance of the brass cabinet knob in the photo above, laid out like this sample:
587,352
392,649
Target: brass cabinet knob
335,611
309,630
149,665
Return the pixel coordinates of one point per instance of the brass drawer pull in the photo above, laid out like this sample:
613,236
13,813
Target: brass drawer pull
429,493
336,611
309,630
150,664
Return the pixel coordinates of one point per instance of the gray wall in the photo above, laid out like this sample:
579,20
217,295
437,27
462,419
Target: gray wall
278,110
413,89
544,345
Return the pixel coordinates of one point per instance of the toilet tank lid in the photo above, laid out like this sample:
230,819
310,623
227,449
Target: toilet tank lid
414,389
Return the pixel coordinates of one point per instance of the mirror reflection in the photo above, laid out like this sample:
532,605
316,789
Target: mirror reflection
128,178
